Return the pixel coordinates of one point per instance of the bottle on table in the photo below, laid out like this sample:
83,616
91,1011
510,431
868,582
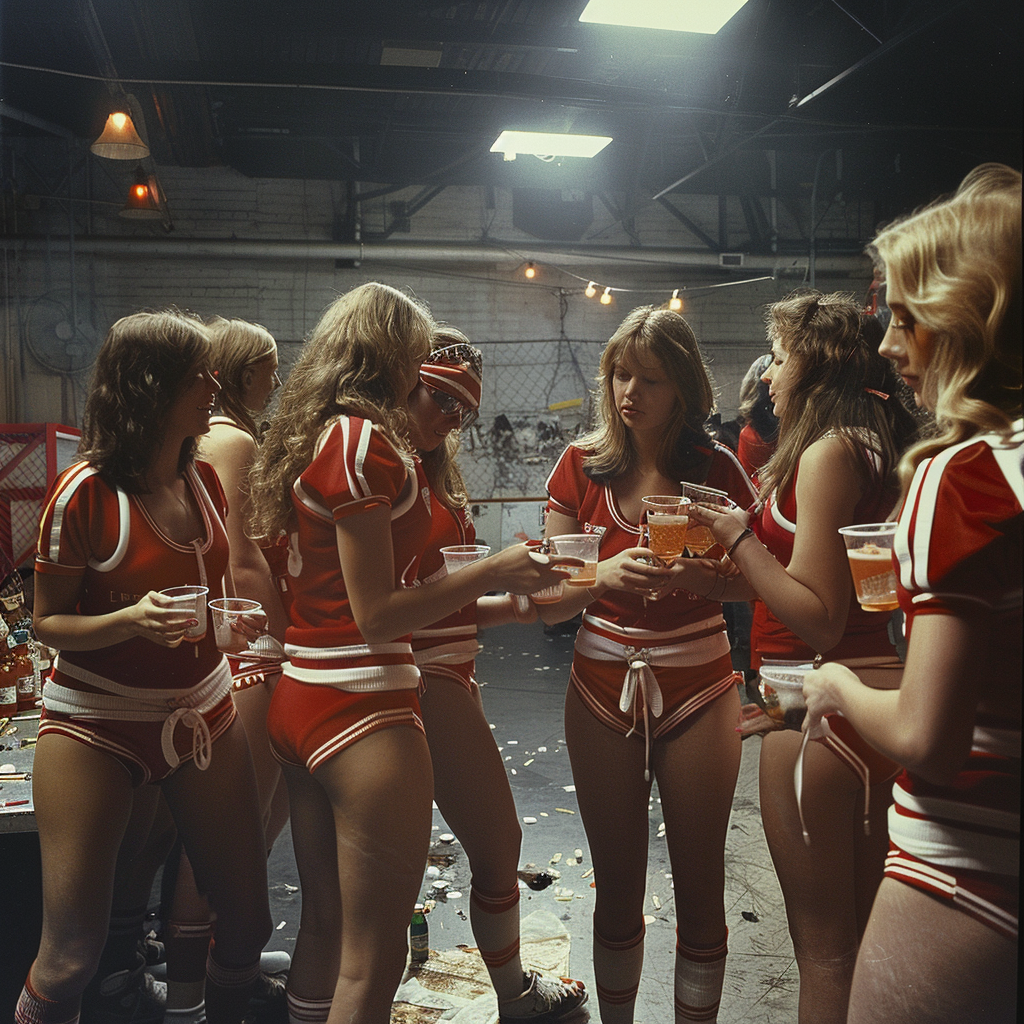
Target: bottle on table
24,669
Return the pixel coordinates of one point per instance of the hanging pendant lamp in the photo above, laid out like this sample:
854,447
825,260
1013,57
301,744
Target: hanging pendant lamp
120,140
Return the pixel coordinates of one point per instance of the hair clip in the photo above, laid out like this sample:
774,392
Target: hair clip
881,394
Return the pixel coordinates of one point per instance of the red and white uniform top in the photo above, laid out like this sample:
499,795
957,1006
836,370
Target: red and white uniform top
679,617
98,532
866,633
453,640
958,547
355,468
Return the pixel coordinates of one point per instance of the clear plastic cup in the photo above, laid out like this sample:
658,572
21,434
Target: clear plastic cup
666,524
190,599
549,595
238,624
458,556
700,539
869,549
581,548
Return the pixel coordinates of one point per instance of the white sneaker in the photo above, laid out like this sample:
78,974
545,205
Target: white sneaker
544,1001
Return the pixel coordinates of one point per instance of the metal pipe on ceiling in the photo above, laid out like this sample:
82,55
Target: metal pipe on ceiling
431,252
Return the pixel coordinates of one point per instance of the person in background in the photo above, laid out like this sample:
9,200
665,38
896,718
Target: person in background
336,473
941,942
139,704
471,785
841,435
760,426
652,692
244,356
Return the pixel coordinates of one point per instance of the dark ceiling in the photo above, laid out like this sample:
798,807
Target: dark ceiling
912,92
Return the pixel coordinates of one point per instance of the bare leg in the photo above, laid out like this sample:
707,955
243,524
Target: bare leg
217,814
473,794
380,790
608,770
705,747
83,801
252,705
828,886
923,961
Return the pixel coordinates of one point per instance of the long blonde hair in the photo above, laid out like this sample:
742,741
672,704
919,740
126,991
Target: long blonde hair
358,360
685,448
841,385
957,266
238,345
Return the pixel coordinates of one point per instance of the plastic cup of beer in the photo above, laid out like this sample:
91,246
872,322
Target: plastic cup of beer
549,595
458,556
577,554
667,523
192,600
869,549
699,538
237,623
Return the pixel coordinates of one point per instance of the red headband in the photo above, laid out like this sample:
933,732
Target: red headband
456,379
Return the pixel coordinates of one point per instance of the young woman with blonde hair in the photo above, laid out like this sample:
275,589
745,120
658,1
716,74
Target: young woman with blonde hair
652,692
941,942
337,474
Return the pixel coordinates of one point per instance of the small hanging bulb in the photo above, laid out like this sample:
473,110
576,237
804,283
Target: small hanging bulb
675,303
591,290
530,271
606,297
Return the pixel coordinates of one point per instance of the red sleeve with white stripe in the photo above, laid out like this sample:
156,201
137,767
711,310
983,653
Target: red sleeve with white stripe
959,538
355,468
80,522
567,483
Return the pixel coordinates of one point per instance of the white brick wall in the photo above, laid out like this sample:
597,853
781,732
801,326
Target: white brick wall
516,322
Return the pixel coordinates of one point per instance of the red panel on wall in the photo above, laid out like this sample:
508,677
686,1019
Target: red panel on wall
31,455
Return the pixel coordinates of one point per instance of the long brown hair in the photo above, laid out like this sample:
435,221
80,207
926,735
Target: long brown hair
143,365
841,386
357,361
684,452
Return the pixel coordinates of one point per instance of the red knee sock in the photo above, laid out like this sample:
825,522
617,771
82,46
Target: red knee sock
307,1011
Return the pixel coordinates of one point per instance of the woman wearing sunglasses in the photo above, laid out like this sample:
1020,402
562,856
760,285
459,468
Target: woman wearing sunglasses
470,783
337,473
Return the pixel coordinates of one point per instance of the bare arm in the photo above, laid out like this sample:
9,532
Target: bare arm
231,453
927,724
57,623
812,595
383,612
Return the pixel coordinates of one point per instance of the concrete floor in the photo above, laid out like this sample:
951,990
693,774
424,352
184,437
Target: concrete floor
524,672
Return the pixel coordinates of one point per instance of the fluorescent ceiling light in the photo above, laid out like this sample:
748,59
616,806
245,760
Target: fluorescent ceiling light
548,144
675,15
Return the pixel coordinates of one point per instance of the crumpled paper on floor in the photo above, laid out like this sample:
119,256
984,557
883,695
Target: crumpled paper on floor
453,985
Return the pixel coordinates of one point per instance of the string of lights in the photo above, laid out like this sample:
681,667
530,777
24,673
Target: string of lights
604,293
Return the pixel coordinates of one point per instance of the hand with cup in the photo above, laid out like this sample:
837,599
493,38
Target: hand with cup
188,601
700,538
240,628
458,556
667,522
577,554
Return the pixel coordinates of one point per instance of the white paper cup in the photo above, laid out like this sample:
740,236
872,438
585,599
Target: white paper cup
237,623
190,599
458,556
